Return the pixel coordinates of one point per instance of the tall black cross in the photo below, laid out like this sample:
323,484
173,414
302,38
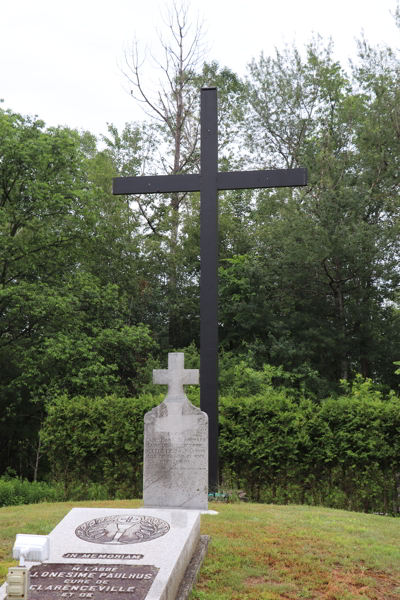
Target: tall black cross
208,182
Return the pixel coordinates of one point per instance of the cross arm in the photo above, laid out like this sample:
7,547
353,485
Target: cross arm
161,376
191,377
156,184
235,180
238,180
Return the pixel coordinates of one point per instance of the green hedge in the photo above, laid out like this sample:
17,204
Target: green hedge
343,452
97,441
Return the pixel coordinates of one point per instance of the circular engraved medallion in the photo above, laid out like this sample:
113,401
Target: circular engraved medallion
122,529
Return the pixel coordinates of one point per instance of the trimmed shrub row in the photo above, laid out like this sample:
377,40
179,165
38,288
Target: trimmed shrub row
342,453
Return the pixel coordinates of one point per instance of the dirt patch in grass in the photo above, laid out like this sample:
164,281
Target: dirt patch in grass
251,581
361,584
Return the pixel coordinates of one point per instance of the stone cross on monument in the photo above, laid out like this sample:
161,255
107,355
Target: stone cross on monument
176,377
208,182
175,465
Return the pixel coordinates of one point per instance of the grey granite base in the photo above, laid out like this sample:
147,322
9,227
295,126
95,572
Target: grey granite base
193,569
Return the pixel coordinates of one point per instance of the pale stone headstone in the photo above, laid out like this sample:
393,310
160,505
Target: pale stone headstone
175,472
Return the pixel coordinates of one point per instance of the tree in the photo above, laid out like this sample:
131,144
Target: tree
324,257
44,209
174,108
67,246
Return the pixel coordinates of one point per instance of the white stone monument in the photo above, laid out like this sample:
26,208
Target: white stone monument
175,473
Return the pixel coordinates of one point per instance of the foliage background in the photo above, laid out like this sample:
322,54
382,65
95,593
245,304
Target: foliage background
95,289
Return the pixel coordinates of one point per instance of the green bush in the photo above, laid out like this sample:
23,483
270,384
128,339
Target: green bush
259,440
13,492
343,453
279,447
97,441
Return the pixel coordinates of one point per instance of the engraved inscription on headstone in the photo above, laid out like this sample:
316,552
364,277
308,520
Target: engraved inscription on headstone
103,556
175,472
122,529
54,581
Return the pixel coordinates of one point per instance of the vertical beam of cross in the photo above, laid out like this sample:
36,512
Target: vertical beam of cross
209,244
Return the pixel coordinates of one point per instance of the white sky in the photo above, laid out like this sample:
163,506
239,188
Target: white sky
59,59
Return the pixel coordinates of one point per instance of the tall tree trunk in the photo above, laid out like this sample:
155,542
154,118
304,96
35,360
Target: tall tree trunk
336,286
339,302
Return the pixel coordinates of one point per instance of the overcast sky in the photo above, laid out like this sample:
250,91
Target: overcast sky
59,59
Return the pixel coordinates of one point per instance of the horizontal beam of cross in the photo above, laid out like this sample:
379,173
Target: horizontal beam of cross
232,180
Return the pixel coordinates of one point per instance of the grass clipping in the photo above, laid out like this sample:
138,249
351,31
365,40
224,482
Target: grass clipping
264,552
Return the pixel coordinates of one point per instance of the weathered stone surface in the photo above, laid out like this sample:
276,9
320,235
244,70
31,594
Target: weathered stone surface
175,470
176,457
176,376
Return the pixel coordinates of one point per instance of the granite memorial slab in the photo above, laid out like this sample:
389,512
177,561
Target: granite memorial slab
116,554
175,471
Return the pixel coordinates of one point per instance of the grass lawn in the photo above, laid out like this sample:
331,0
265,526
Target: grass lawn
265,552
